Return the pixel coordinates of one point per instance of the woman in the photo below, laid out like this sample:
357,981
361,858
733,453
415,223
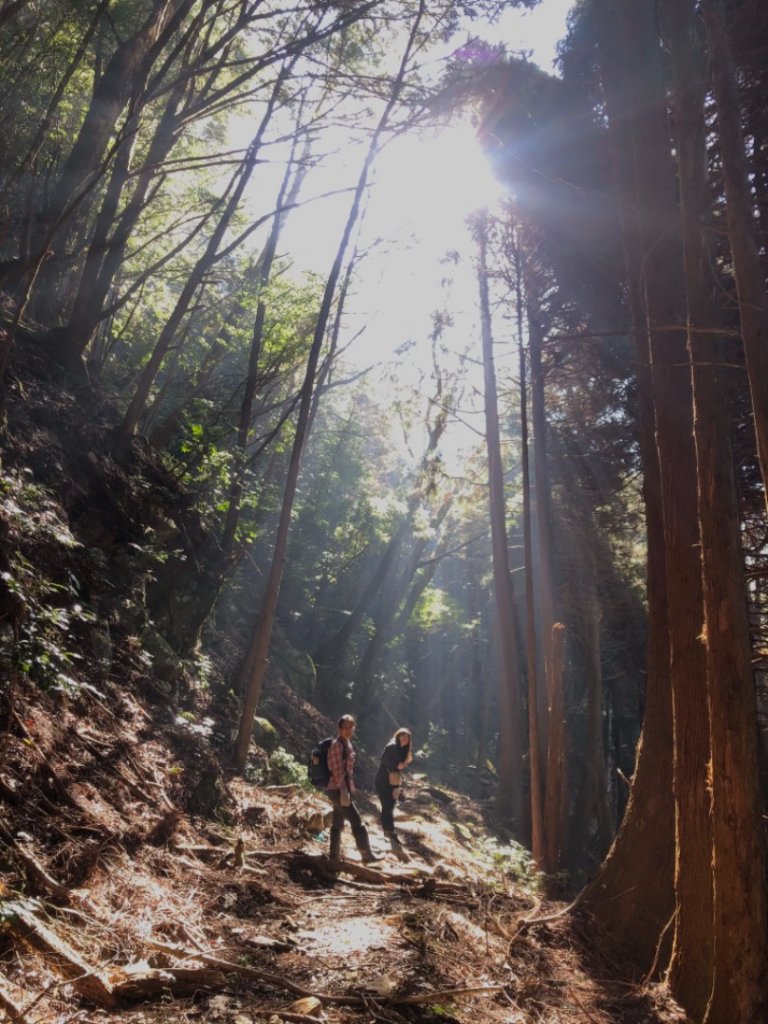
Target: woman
341,789
395,758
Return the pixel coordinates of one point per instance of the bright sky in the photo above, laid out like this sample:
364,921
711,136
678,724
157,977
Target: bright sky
425,188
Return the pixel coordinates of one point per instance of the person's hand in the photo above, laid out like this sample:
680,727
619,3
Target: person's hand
403,764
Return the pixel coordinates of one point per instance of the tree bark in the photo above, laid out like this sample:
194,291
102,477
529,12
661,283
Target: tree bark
663,286
11,9
632,896
739,992
740,216
543,520
555,796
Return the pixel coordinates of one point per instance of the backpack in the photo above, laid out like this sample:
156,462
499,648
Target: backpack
317,769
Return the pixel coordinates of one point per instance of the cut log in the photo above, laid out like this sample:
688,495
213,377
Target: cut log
86,980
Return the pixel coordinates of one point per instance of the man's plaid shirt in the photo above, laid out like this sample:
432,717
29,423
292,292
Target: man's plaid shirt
340,765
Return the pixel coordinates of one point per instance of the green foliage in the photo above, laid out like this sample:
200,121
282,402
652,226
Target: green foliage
46,609
280,769
436,609
509,861
265,735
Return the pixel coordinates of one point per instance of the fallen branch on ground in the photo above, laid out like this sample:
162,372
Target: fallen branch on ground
227,967
278,981
7,1003
528,922
176,980
448,993
320,862
86,980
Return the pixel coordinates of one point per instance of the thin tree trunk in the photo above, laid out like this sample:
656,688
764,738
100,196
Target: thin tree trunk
534,750
594,804
543,520
384,626
329,655
254,667
42,130
286,197
203,265
555,796
510,738
105,254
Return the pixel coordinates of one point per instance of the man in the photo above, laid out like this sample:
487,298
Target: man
341,789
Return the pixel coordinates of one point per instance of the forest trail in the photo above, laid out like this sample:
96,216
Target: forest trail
118,908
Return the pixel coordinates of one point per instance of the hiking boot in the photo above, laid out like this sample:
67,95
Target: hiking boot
364,846
396,846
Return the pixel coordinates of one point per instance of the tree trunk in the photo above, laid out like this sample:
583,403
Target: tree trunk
510,740
632,896
555,802
42,130
534,749
11,9
739,991
105,254
385,626
330,654
592,810
691,962
740,215
543,520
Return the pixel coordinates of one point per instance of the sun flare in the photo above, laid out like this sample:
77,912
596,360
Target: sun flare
430,183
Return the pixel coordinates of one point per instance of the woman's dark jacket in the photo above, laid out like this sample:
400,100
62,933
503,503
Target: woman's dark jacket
392,756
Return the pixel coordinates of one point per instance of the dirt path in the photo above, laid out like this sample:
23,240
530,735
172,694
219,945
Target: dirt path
119,909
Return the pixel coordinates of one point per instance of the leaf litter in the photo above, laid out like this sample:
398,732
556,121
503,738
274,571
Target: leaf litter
118,907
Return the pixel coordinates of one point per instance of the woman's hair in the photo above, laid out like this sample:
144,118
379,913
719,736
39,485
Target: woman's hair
401,732
344,719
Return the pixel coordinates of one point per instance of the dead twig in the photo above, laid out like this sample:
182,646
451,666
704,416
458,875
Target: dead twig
449,993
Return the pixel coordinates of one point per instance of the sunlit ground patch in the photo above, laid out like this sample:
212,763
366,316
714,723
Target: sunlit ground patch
344,936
